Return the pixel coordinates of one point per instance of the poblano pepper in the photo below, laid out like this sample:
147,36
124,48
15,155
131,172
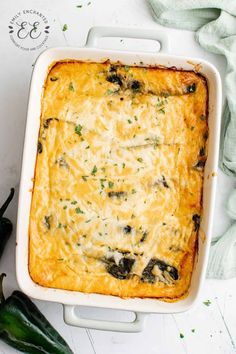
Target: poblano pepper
24,327
5,224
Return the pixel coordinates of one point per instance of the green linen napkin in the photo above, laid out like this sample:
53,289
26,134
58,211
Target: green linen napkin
215,24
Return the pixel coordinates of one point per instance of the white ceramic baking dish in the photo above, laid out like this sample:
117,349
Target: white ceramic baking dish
72,299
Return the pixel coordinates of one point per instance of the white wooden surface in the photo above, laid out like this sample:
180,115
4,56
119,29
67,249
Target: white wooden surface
215,325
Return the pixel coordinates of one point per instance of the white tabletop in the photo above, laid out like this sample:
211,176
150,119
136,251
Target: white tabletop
215,325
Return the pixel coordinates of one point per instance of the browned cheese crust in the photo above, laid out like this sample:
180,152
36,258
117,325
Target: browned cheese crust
118,181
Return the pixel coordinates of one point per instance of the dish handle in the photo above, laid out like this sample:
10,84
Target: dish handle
95,33
73,319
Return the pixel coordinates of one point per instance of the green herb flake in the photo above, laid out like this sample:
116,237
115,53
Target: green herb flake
94,170
74,202
60,259
133,191
65,27
193,330
59,226
79,6
65,207
87,221
155,142
123,165
132,216
78,129
162,111
136,118
129,121
71,87
207,302
87,147
139,159
47,221
85,178
192,128
181,335
79,211
126,67
89,3
202,117
109,92
110,184
102,180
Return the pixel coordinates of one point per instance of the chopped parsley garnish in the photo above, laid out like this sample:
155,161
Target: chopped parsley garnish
162,110
78,129
181,335
59,225
89,3
192,128
79,6
65,207
65,27
129,121
88,221
94,170
102,180
87,147
136,118
74,202
139,159
85,178
207,302
110,184
79,211
133,191
126,67
193,330
47,222
123,165
109,92
71,87
155,142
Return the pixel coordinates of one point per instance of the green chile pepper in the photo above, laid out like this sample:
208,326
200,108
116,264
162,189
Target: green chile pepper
24,327
6,226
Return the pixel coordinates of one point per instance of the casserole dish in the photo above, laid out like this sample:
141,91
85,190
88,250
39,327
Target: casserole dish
69,298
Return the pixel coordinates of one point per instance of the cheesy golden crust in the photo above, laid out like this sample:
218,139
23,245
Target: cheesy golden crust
117,194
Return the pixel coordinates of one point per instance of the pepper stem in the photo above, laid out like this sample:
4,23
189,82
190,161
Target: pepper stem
7,202
2,298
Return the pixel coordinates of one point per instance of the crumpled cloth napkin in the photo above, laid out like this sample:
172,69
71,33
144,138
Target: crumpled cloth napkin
215,24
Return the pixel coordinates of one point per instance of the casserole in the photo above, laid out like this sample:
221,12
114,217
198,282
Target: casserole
118,148
76,298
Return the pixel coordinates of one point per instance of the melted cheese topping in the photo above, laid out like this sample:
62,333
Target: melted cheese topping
118,182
